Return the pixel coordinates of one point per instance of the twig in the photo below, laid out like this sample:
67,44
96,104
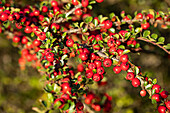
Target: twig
146,40
73,30
68,13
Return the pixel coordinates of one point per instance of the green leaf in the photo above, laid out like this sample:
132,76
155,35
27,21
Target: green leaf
149,86
90,7
48,34
81,24
138,29
95,22
154,36
103,19
111,15
146,33
121,47
126,51
64,35
62,15
50,97
57,104
92,2
59,77
154,101
154,81
167,46
44,103
136,70
112,30
88,19
71,109
153,91
161,39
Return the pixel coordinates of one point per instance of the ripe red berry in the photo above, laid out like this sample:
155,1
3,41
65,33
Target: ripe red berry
79,78
164,94
92,56
108,24
111,42
88,100
54,3
29,57
168,104
42,36
157,88
98,37
162,109
107,62
65,96
65,87
36,42
123,32
117,69
98,63
135,82
112,50
11,17
145,25
139,16
69,43
96,77
97,107
75,2
36,13
28,29
83,56
130,76
96,46
92,66
78,11
44,9
120,52
99,1
124,58
100,70
16,39
89,73
50,57
143,93
24,40
80,68
124,66
157,97
4,16
84,3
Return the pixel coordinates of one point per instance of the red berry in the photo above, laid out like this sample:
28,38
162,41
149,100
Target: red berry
111,42
42,36
100,70
56,9
92,56
92,66
75,2
112,50
117,69
80,78
36,12
162,109
88,100
24,40
36,42
164,94
4,16
124,58
97,107
89,73
29,57
107,62
44,9
96,46
120,52
50,57
84,3
108,24
157,97
145,25
124,66
139,16
123,32
83,56
135,82
130,76
118,42
96,77
69,43
80,68
78,11
168,104
54,25
98,37
143,93
54,3
98,63
28,29
16,39
11,17
99,1
65,87
65,96
157,88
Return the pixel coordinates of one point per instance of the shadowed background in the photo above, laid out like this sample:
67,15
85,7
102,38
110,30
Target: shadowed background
20,90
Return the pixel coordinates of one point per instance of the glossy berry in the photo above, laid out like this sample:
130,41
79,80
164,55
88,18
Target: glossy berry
92,56
44,9
36,42
124,66
84,3
89,73
24,40
69,43
54,3
75,2
99,1
139,16
98,37
143,93
120,52
83,56
92,66
78,11
96,77
4,16
50,57
164,94
168,104
135,82
16,39
157,88
98,63
65,87
112,50
96,47
107,62
28,29
111,42
145,25
36,13
42,36
130,76
108,24
80,68
117,69
100,70
157,97
124,58
162,109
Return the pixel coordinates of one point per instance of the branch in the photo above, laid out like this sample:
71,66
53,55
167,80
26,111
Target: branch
146,40
68,13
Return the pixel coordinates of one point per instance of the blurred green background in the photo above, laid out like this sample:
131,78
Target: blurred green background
20,90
